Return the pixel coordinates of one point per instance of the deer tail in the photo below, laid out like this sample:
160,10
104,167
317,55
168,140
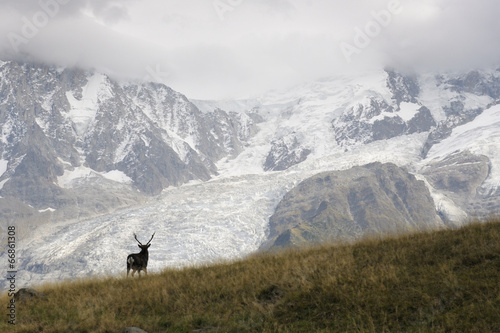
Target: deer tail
130,261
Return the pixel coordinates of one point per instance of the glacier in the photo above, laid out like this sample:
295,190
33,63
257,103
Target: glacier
198,223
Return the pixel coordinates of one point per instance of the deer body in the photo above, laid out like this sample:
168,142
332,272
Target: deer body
139,261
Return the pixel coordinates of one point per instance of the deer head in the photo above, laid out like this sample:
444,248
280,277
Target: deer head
148,244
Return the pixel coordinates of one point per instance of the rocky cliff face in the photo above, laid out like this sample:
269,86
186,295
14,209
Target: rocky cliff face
377,117
63,129
344,205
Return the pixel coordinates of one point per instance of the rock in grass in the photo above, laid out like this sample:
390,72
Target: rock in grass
24,294
133,330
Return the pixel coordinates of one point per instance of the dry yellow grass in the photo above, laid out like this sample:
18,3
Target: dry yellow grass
443,281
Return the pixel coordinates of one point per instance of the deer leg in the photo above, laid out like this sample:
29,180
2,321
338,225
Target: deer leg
145,270
128,271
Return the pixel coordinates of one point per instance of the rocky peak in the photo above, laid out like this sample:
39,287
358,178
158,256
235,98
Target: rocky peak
404,88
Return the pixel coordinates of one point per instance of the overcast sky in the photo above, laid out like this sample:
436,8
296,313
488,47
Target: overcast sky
212,49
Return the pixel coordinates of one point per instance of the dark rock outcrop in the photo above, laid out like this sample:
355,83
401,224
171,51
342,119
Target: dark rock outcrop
285,152
25,294
344,205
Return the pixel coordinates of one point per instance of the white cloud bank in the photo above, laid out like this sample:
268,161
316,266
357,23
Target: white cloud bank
236,48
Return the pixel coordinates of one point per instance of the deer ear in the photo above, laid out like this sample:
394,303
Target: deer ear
149,245
139,246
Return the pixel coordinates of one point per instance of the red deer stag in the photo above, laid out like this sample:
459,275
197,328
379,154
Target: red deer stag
139,261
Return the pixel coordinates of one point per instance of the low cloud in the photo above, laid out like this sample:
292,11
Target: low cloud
224,49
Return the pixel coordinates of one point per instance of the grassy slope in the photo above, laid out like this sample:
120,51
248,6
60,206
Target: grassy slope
440,281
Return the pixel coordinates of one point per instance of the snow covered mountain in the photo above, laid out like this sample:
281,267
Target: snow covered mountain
77,143
208,175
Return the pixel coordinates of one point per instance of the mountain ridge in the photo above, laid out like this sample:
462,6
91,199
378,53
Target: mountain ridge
123,157
56,120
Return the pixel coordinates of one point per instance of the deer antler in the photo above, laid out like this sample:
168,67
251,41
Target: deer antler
151,238
135,236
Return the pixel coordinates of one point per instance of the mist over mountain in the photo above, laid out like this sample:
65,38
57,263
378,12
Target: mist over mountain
236,49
